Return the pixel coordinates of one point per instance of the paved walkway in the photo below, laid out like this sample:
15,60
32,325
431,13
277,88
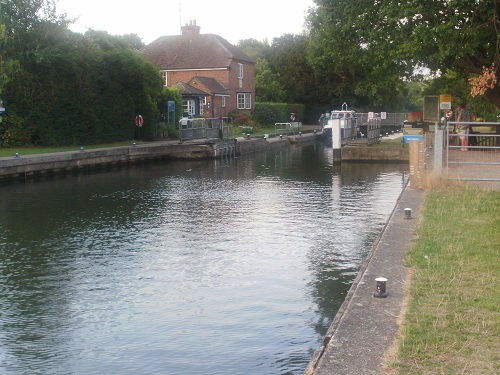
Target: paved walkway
481,168
365,327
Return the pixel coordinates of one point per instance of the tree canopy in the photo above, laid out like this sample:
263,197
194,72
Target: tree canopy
372,44
64,88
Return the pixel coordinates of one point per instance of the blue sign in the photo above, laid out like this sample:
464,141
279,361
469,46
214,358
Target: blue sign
171,105
408,138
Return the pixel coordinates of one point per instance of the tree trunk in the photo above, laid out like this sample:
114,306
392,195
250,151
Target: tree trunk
493,95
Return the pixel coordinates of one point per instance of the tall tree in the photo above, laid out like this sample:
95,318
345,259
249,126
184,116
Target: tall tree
355,69
267,85
294,73
394,37
22,15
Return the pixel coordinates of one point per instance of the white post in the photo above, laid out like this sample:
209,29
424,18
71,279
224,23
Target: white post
438,151
336,140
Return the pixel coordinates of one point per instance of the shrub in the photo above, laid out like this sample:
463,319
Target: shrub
241,119
264,115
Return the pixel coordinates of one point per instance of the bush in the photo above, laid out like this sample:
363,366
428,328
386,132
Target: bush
242,119
267,114
264,115
172,132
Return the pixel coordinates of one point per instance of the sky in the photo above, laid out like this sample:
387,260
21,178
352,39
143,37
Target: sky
149,19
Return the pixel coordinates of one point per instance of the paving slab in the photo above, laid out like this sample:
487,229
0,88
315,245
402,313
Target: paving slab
366,327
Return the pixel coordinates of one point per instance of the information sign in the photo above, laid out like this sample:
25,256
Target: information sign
413,135
445,101
431,108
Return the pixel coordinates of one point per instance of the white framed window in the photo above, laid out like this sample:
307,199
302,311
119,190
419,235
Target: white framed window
240,71
202,104
188,107
241,101
244,101
223,103
165,77
248,101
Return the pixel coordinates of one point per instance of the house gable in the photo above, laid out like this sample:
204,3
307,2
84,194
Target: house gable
192,52
207,62
210,85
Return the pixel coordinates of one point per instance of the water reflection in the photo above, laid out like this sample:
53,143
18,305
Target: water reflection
225,266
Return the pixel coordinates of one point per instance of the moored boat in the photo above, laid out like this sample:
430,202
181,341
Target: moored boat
348,124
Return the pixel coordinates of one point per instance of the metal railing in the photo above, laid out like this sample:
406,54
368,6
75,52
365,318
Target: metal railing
373,130
205,128
480,159
283,127
348,129
391,119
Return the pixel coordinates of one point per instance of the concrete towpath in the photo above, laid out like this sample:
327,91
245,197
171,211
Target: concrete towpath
365,328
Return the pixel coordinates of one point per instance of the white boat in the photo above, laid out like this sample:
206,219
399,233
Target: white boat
348,124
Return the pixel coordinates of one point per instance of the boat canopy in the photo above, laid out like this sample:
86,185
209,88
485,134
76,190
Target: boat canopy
342,114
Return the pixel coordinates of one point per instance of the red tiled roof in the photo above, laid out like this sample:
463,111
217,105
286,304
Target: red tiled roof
213,86
187,89
203,51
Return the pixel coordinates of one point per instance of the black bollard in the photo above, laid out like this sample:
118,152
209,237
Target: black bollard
381,291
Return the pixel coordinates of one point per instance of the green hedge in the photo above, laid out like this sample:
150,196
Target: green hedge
75,90
267,114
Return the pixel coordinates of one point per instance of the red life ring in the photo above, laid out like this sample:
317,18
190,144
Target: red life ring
139,120
449,114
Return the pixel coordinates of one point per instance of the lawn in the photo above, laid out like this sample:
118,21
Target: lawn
452,325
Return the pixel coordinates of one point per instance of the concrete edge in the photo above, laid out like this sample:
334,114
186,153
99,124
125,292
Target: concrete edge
343,310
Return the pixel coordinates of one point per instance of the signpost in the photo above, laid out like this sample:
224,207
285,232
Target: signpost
171,108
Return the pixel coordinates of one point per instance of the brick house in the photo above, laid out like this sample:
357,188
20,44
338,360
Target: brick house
213,76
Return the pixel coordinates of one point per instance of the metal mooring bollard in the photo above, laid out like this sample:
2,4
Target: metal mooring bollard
407,213
381,291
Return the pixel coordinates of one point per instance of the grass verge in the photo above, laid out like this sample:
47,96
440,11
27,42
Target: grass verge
31,150
452,325
391,143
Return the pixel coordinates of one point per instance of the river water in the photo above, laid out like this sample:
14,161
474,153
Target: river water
232,266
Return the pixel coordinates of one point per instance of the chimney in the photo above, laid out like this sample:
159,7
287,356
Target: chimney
190,29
